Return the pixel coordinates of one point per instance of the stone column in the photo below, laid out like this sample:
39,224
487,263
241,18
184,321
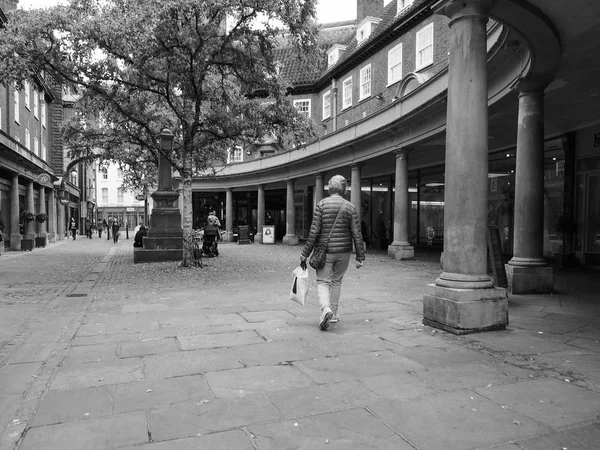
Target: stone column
355,189
463,298
52,216
42,227
290,237
319,188
60,226
401,248
30,228
15,235
528,272
229,215
260,214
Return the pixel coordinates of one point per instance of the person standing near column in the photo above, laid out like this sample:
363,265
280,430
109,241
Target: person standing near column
337,219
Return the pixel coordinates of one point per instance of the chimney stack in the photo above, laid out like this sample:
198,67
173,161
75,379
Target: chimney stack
366,8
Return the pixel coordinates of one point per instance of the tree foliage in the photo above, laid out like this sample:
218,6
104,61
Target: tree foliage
202,68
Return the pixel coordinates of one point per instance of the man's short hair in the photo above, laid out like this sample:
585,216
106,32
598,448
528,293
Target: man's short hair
337,185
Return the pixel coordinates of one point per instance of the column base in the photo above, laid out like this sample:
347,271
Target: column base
228,236
530,279
401,250
52,238
290,239
463,311
258,238
15,242
2,249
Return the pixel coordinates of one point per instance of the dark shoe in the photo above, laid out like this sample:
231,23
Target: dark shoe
326,316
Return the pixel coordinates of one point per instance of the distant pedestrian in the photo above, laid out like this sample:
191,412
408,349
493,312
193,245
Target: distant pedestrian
109,227
88,228
1,228
335,223
101,226
73,227
115,231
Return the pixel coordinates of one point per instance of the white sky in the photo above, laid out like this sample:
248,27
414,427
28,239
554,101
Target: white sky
327,10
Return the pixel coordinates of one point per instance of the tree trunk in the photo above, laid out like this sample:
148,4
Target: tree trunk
187,208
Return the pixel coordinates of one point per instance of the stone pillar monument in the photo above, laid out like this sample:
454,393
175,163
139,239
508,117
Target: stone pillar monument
463,299
290,237
229,215
15,235
401,248
52,216
42,227
528,272
165,237
260,214
30,226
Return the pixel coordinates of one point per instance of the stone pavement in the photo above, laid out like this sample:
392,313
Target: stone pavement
99,353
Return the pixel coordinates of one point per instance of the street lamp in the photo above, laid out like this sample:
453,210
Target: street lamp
166,140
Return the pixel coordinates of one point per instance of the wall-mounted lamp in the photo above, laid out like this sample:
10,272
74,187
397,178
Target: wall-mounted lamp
379,96
248,152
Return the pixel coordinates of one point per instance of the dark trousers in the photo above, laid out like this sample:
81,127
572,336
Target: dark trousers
74,233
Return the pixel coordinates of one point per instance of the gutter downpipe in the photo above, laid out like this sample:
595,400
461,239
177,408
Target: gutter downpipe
334,101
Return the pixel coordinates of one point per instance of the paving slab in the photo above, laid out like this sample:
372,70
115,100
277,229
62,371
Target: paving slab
32,353
313,400
74,376
190,362
463,376
147,347
74,405
15,378
197,341
436,357
105,339
522,342
138,307
577,363
579,438
263,316
398,386
101,433
159,393
120,325
352,343
253,380
456,420
268,353
190,418
234,440
549,401
551,323
586,343
353,429
332,370
224,319
90,353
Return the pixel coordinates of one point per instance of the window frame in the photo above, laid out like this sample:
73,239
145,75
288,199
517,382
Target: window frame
345,103
17,106
104,172
390,68
104,197
405,4
326,106
43,113
43,152
309,105
27,98
36,104
362,96
120,195
418,64
27,139
36,146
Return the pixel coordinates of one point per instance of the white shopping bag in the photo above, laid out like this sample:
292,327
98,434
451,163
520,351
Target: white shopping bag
300,283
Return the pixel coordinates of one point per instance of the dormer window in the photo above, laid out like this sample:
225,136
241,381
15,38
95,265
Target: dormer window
333,54
403,4
365,28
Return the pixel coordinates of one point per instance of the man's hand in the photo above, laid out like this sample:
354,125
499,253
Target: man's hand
359,264
303,262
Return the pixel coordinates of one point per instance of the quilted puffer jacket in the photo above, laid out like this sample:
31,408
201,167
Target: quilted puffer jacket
346,231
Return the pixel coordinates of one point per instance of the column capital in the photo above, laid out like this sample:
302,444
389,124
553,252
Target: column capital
531,85
402,152
460,9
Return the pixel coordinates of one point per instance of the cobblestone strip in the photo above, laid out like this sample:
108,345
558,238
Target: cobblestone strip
12,432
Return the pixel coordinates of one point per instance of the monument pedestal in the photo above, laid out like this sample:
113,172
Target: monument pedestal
462,311
400,250
165,237
290,239
530,280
